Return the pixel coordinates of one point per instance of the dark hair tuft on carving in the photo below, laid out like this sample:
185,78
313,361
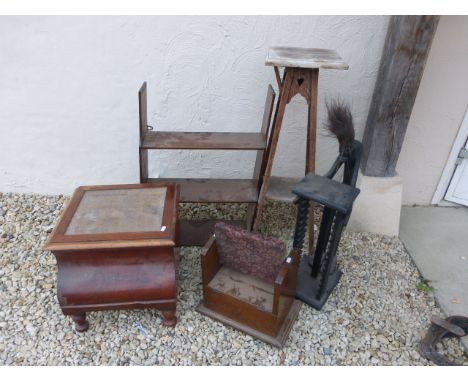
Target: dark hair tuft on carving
340,123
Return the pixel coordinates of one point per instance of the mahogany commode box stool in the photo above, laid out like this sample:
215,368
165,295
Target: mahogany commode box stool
114,247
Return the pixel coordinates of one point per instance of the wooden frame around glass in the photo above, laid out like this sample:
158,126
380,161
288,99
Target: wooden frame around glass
169,220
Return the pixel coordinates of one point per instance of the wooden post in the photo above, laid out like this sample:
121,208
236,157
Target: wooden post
311,143
404,56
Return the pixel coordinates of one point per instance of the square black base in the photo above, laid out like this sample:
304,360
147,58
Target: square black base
308,286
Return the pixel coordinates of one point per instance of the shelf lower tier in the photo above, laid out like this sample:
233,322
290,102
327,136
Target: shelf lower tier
198,232
214,190
203,141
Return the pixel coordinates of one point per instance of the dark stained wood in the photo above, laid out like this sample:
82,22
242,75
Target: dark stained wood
81,323
210,261
404,56
111,244
296,81
208,190
279,81
270,326
143,157
198,232
203,141
311,144
261,154
114,239
250,215
302,83
143,112
279,340
266,123
96,280
301,73
312,120
112,276
170,319
143,130
278,121
194,190
271,130
116,270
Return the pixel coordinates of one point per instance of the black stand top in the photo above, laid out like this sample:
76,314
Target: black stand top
327,192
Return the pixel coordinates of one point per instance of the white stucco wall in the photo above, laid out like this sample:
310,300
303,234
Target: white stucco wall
440,106
68,92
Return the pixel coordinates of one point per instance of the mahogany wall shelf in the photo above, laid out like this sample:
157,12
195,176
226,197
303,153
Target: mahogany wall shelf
195,190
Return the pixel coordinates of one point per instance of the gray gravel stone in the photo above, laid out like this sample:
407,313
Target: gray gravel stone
375,316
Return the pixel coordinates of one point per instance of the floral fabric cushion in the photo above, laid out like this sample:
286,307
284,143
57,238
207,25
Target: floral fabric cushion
248,252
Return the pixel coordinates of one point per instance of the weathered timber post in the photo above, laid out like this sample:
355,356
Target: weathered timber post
404,56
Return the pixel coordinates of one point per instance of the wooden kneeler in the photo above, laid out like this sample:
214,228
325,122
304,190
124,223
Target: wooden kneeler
238,287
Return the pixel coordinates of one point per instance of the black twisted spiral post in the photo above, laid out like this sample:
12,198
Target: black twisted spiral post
321,271
301,223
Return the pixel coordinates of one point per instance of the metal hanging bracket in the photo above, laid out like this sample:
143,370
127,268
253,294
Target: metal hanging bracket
463,154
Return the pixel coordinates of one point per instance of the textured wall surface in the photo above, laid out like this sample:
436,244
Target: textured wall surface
68,92
438,112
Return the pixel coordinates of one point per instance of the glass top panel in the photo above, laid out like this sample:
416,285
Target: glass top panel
114,211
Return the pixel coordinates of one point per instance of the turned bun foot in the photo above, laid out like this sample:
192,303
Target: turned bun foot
81,323
170,318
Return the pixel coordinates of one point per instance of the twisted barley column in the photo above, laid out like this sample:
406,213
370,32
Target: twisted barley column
301,223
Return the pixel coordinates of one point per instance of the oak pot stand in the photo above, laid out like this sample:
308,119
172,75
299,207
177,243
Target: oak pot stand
301,73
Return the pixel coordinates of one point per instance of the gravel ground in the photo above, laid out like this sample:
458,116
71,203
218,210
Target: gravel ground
376,316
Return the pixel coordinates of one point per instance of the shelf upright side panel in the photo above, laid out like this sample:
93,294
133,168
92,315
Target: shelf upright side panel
143,124
267,113
260,158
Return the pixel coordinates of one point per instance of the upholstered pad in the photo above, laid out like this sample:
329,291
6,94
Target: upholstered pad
249,253
244,287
